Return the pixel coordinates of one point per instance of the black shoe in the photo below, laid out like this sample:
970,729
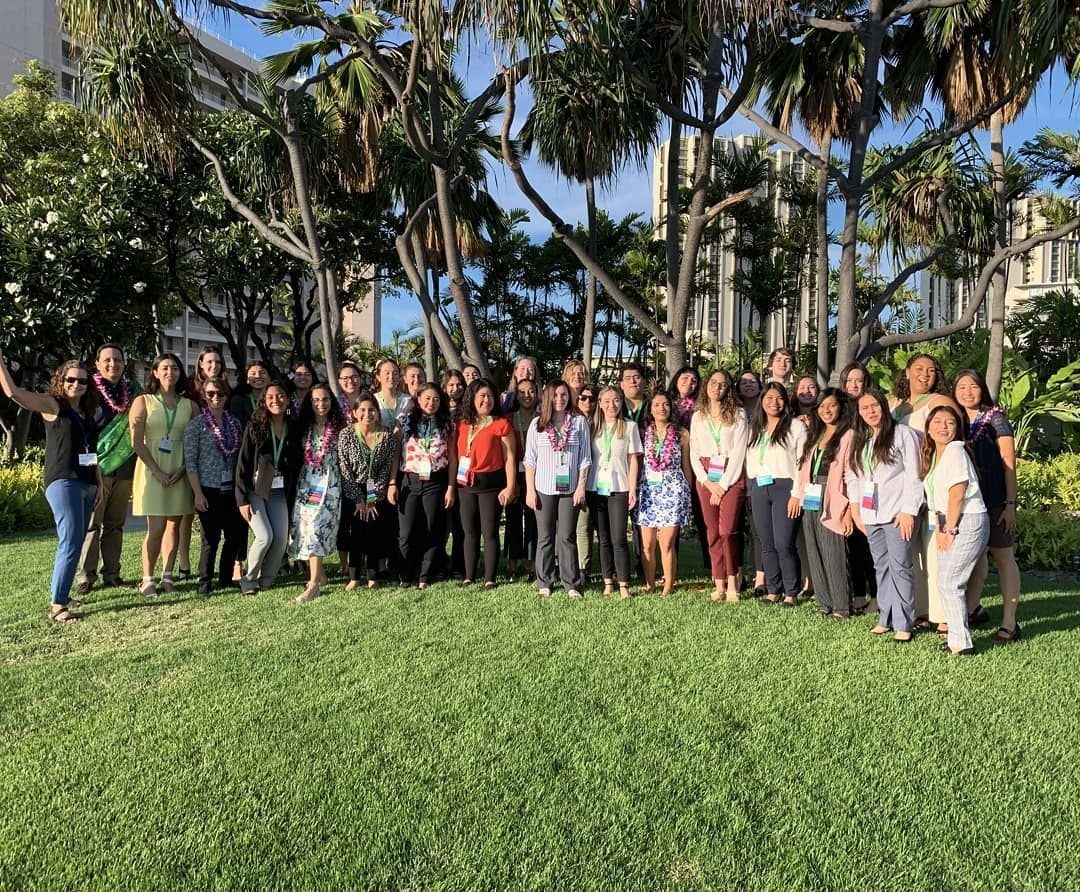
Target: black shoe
205,588
978,617
183,575
84,588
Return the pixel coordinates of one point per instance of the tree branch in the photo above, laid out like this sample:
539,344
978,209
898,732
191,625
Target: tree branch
840,26
914,6
326,73
730,201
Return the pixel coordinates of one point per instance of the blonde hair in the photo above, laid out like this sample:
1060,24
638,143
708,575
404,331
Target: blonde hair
598,415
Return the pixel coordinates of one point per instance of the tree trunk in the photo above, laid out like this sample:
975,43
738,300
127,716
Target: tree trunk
590,280
821,320
430,366
996,356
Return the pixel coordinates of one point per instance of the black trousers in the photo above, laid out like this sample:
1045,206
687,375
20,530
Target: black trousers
480,514
776,531
556,525
863,578
371,539
520,531
220,519
422,524
611,513
344,530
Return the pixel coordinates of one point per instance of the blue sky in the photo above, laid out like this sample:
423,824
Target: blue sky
1053,106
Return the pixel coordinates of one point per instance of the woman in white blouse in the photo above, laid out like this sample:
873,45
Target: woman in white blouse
558,455
718,432
882,480
772,466
957,516
612,487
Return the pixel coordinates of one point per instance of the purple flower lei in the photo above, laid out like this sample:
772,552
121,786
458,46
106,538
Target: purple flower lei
667,452
118,406
313,457
227,437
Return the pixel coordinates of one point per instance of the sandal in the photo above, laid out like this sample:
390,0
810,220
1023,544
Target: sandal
716,596
942,630
732,598
624,590
879,630
609,589
490,585
922,624
978,616
545,593
148,589
63,615
1006,636
770,599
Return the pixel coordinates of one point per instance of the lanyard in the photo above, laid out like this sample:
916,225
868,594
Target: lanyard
170,416
868,458
427,433
388,413
473,431
366,451
715,433
522,429
608,435
77,419
930,479
278,445
819,454
635,414
762,444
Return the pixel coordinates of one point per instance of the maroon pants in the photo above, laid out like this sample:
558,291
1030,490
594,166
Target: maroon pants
722,527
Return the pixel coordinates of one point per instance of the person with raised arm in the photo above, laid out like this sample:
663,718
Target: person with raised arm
161,492
116,462
72,477
211,444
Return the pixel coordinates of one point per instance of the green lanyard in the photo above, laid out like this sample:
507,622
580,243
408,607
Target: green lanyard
170,416
473,431
388,414
608,435
930,480
868,458
715,433
635,414
522,429
427,434
366,451
278,445
762,444
819,454
658,444
254,400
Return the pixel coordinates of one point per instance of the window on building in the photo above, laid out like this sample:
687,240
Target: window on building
1055,262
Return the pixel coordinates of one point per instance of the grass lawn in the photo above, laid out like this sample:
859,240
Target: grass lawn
457,739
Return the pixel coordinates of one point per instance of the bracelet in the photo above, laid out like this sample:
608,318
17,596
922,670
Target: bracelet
950,531
1010,502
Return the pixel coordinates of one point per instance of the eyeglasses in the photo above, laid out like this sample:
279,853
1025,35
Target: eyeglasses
345,378
71,379
586,398
213,394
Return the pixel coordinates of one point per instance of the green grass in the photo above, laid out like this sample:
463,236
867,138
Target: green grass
457,739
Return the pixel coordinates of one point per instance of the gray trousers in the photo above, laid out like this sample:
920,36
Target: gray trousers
827,559
556,528
105,538
953,572
270,524
895,580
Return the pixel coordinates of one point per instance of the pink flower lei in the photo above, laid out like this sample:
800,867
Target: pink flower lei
667,452
982,419
227,437
684,408
560,440
313,457
118,406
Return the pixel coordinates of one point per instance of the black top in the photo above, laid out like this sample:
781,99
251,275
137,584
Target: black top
983,435
258,453
66,437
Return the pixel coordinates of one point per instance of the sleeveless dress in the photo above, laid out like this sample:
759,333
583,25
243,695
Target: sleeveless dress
149,498
666,505
317,513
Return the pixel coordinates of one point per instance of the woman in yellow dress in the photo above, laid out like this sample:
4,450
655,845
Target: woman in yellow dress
161,492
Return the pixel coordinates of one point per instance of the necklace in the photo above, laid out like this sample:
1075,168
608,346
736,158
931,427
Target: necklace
227,435
658,456
314,455
119,406
560,439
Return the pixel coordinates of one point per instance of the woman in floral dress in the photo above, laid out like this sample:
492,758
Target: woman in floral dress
317,510
663,491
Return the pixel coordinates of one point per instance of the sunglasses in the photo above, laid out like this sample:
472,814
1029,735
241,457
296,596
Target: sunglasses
213,394
586,398
71,379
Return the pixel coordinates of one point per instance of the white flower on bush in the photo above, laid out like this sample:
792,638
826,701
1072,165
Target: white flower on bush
52,217
85,158
136,243
49,255
104,173
139,287
12,288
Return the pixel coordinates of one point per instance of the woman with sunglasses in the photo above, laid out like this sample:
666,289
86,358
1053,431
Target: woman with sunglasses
211,443
161,492
72,477
317,509
520,518
586,521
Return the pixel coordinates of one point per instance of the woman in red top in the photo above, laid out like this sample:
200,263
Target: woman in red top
486,476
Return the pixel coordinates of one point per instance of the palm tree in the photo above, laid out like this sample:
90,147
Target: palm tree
586,122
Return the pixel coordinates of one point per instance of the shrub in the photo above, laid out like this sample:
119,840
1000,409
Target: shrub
1065,469
22,499
1035,486
1047,540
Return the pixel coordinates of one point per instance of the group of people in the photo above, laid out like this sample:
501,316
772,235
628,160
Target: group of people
869,502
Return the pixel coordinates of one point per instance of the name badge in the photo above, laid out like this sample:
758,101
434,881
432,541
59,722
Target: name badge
562,473
869,496
316,492
654,479
812,497
717,466
87,459
164,445
463,470
278,482
226,482
521,467
603,482
764,479
372,492
931,521
423,469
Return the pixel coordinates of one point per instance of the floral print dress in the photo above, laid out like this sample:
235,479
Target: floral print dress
317,511
663,502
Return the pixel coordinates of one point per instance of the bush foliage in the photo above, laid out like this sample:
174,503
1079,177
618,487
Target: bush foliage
22,499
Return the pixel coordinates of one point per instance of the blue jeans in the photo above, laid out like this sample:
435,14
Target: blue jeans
72,503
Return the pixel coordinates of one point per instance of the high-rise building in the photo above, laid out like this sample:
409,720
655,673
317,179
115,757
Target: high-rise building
1051,266
32,30
718,314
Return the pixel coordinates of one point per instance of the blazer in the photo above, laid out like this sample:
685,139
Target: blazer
834,498
255,464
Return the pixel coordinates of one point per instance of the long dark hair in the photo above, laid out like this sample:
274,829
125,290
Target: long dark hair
154,386
761,420
985,402
468,410
260,419
335,418
673,387
929,447
411,428
88,403
817,427
902,389
854,367
647,417
883,443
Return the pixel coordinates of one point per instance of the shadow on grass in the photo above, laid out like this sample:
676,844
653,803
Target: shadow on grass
1052,613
